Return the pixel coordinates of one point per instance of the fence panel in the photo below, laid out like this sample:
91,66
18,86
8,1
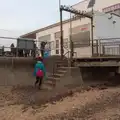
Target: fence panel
106,47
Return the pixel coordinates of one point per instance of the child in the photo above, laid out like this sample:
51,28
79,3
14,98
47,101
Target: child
39,71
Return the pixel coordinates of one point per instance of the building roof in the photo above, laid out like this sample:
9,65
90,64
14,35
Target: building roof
44,28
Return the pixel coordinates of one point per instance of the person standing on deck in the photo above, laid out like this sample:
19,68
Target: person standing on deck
43,48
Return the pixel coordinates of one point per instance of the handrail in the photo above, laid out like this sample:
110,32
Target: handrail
65,48
68,56
68,52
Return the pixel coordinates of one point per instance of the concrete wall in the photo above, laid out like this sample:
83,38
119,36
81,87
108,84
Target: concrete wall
16,71
71,79
83,77
19,71
97,75
21,74
15,62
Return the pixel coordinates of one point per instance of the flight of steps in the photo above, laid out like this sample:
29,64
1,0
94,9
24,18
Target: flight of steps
61,69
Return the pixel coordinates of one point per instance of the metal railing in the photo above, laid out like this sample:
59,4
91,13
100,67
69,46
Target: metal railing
106,47
101,47
66,57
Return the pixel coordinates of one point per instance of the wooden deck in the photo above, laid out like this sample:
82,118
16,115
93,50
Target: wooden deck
99,64
110,61
108,58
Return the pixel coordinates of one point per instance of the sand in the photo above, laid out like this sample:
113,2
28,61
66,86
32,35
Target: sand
89,105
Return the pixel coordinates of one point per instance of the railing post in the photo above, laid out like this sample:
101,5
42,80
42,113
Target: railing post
119,49
92,34
103,49
97,47
71,42
61,29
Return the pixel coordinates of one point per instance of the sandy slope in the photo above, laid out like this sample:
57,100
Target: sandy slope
92,105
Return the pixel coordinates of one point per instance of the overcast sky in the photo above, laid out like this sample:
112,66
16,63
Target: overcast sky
27,15
21,16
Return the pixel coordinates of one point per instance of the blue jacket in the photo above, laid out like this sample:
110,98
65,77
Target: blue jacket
39,65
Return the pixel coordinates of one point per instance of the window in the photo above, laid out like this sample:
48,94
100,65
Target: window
57,43
57,51
57,46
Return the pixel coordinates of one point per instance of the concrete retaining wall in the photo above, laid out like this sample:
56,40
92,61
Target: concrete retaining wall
19,71
71,79
93,75
16,71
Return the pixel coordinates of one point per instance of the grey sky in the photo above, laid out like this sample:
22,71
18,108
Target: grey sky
20,16
28,15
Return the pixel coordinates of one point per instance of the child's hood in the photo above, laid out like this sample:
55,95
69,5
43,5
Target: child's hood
39,62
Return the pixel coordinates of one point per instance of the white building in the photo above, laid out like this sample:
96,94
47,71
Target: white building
105,26
100,5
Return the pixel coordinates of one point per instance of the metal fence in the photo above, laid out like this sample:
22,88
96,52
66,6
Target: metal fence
15,47
106,47
23,47
101,47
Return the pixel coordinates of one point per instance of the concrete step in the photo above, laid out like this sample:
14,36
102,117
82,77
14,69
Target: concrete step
52,78
62,65
57,75
49,83
62,62
63,68
61,71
